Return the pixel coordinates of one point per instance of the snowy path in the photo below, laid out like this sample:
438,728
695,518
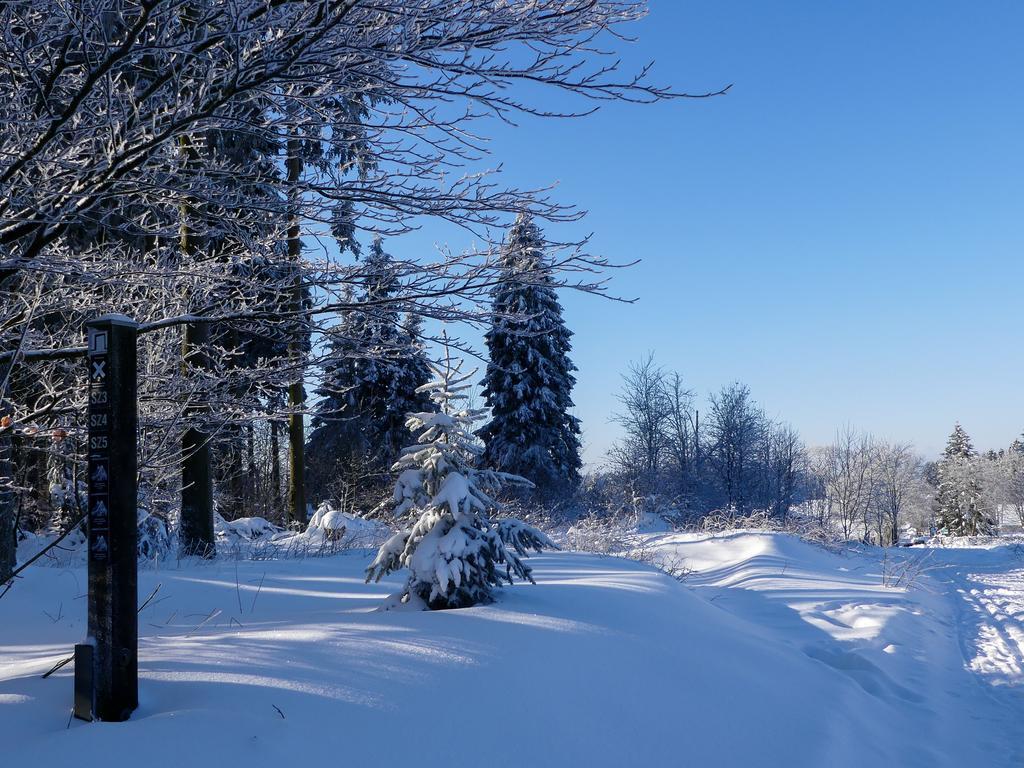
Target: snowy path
986,587
773,653
947,654
994,620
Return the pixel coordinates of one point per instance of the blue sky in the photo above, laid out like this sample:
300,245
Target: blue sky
842,232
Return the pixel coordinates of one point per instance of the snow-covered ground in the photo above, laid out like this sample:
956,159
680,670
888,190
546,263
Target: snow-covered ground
771,652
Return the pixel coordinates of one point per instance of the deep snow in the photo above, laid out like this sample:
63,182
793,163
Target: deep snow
772,652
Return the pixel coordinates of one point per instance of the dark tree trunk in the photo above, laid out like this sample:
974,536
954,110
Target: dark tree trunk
197,536
275,469
296,456
251,470
296,390
8,512
196,470
232,478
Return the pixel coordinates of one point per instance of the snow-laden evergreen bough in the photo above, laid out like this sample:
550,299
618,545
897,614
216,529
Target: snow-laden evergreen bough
455,553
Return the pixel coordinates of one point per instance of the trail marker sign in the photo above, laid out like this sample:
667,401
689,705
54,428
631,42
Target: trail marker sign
106,665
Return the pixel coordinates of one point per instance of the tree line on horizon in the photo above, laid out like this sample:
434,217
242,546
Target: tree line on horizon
733,461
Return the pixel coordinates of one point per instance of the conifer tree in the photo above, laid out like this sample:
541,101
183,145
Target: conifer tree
455,553
375,366
529,380
337,437
962,509
338,368
378,365
413,371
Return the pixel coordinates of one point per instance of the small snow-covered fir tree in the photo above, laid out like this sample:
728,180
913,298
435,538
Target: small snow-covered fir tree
528,384
455,553
962,508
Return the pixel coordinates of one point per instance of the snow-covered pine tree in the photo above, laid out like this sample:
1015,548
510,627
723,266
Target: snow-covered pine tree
1015,478
456,554
338,369
337,444
962,509
413,371
529,380
379,368
374,367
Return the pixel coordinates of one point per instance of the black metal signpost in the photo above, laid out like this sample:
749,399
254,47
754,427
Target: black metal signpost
106,665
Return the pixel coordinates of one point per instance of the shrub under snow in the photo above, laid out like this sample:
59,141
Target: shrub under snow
243,529
344,528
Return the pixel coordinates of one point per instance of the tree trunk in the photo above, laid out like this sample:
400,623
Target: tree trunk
296,456
275,469
232,478
8,512
252,472
296,390
197,537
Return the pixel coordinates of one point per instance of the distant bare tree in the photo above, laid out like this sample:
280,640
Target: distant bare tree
784,462
734,461
846,471
645,416
1002,484
899,482
736,427
683,432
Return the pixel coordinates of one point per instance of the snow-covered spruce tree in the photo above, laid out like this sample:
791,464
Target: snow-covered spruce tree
960,502
456,554
412,371
380,365
528,384
374,365
1015,478
337,441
